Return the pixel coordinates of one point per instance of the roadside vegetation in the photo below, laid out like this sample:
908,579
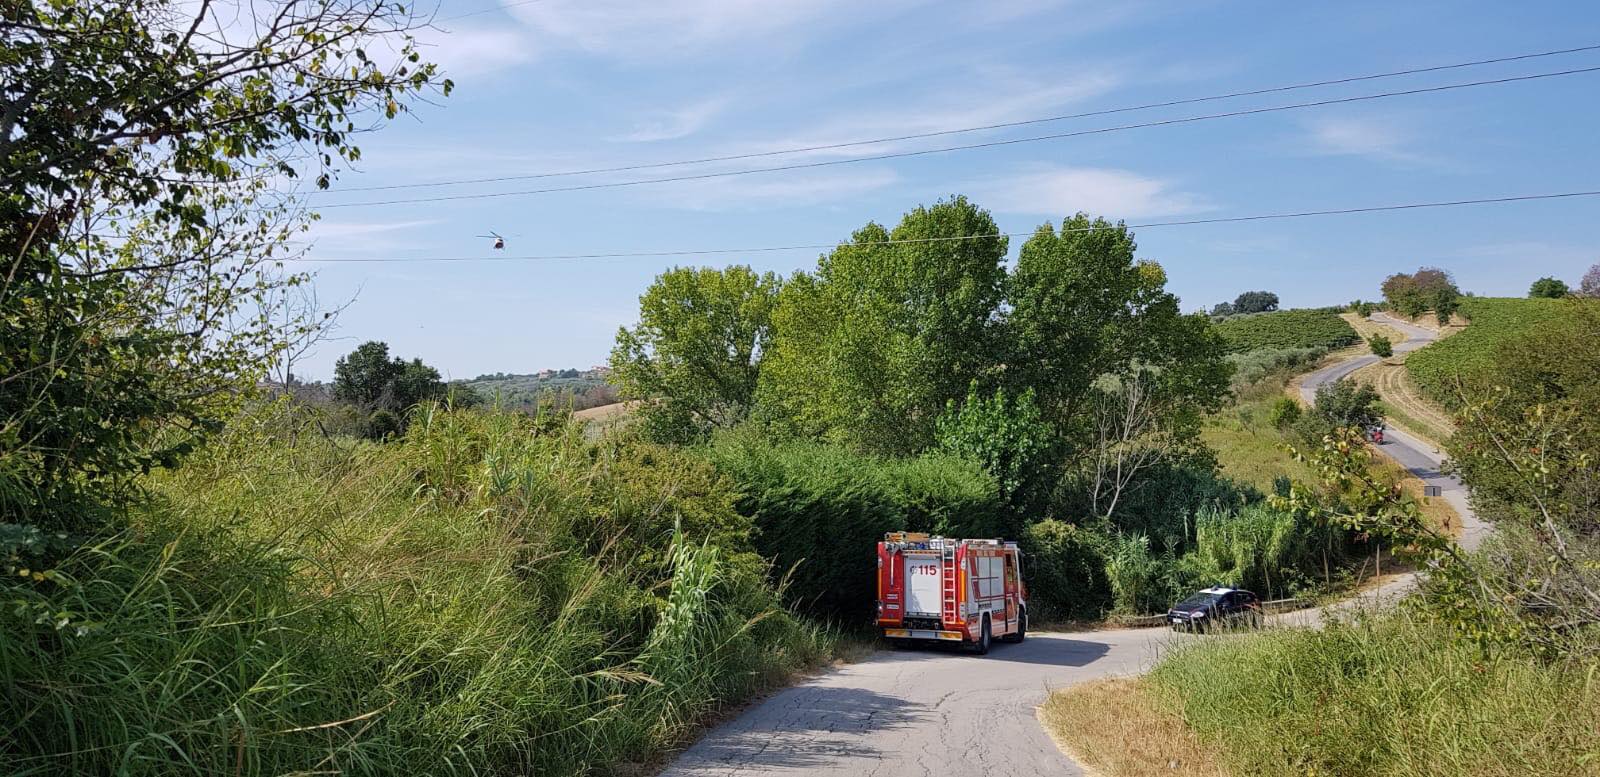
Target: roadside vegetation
1147,735
482,595
204,570
1492,668
1288,329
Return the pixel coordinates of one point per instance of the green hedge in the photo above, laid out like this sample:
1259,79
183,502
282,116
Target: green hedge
819,511
1287,329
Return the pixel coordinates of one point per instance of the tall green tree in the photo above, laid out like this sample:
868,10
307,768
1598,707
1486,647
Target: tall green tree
384,389
891,327
1429,288
1009,438
1548,288
1255,302
695,356
1081,307
140,223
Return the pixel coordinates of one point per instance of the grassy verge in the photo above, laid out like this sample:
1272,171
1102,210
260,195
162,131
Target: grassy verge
1367,328
1126,727
1249,449
481,597
1389,696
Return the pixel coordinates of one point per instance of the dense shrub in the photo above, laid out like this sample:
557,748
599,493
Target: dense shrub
1252,367
819,511
1381,346
1065,568
1342,403
1162,501
478,597
1287,329
1285,411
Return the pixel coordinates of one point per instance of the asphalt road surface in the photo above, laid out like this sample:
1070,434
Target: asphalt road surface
934,712
1420,458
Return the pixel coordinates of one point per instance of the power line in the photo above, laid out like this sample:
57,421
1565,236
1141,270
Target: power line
501,7
967,147
825,246
964,130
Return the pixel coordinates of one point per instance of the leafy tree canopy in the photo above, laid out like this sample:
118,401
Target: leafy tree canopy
141,143
1429,288
1548,288
1590,285
1255,302
875,343
369,379
696,353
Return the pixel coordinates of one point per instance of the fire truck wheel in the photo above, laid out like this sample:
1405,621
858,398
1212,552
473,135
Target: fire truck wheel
981,647
1022,628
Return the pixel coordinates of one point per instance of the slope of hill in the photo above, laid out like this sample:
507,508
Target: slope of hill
1288,329
1470,354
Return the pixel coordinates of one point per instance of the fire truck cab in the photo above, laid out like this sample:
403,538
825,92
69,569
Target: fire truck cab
940,589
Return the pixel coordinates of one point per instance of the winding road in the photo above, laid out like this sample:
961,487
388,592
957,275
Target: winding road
1422,459
921,713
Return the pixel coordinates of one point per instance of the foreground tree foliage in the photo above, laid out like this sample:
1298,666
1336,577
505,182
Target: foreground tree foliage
139,224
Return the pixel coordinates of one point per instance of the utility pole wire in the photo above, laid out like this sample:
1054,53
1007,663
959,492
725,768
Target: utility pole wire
967,147
991,236
963,130
501,7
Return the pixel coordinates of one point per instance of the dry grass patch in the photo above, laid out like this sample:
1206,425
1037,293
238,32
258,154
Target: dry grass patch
1121,727
1404,404
1366,327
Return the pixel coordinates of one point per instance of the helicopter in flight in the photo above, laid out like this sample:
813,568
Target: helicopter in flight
499,242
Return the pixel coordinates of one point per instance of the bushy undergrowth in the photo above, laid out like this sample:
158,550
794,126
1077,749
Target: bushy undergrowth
1321,328
1254,367
1467,361
819,510
477,598
1389,696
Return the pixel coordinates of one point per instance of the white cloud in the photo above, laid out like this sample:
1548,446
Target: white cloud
789,189
1361,137
634,30
358,236
677,123
469,50
1108,192
992,96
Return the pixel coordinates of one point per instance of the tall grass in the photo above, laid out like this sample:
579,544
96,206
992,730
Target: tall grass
1393,695
485,596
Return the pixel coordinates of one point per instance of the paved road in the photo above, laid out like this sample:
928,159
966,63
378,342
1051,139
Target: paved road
920,713
1420,458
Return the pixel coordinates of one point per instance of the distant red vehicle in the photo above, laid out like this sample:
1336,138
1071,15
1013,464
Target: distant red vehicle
939,589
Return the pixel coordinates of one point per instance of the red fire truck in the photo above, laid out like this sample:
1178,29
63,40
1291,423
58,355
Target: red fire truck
948,590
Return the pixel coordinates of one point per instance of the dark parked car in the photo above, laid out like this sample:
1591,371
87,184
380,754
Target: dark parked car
1216,606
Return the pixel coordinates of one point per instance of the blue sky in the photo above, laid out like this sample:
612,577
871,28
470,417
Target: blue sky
575,84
